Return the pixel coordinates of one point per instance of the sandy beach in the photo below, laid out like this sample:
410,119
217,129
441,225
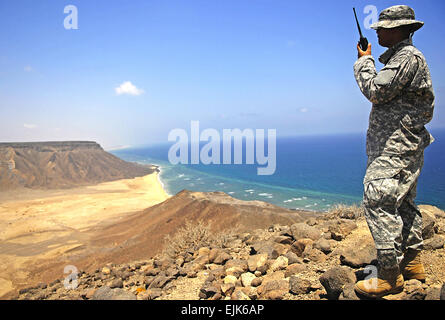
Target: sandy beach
43,225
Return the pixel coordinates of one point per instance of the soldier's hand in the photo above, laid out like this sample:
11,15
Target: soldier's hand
362,53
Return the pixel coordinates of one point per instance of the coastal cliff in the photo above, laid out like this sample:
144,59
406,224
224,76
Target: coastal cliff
61,164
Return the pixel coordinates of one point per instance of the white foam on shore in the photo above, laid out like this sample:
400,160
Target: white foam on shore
158,176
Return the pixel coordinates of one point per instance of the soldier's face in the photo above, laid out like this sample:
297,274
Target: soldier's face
386,37
390,37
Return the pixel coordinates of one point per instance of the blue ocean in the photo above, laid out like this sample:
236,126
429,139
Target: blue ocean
312,172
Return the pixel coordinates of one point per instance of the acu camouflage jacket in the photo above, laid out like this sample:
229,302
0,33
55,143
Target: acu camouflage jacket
403,103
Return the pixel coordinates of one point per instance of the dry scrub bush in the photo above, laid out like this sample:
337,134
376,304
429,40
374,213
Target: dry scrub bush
194,235
347,212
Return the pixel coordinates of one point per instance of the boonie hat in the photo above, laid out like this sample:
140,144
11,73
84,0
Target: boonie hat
397,16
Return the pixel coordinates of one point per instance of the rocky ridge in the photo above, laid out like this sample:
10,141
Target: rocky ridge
318,259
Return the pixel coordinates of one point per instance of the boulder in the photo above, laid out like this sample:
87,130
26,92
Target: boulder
300,245
335,279
260,247
323,245
273,289
429,221
434,243
303,230
257,261
298,285
341,228
360,254
312,254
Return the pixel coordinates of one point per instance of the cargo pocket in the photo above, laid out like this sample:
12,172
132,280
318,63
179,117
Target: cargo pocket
381,182
385,166
381,192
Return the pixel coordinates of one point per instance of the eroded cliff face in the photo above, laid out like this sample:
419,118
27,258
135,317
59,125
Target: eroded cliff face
61,164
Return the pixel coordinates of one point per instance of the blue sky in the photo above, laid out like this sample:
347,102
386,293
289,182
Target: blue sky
260,64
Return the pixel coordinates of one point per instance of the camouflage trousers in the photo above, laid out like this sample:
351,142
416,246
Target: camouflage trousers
393,218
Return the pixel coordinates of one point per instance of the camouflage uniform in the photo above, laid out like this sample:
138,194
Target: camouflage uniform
403,103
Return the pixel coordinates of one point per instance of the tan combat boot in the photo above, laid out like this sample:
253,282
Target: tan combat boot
411,266
383,285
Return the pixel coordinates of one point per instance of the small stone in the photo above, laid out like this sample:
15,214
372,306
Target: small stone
106,270
279,264
106,293
279,250
234,271
429,221
230,279
323,245
116,283
208,291
442,292
90,294
348,293
300,245
257,261
283,240
247,278
227,288
239,294
203,251
292,258
294,269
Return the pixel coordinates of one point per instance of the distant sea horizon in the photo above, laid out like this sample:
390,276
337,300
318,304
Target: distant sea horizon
312,172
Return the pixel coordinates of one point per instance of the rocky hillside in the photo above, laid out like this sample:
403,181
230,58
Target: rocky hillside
318,258
148,228
61,164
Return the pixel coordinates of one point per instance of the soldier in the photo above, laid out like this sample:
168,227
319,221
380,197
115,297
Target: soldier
402,104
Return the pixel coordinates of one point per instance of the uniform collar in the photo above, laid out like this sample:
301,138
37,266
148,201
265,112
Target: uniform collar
384,58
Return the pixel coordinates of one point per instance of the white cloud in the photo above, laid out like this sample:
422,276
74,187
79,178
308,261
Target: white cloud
29,126
27,69
304,110
128,88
